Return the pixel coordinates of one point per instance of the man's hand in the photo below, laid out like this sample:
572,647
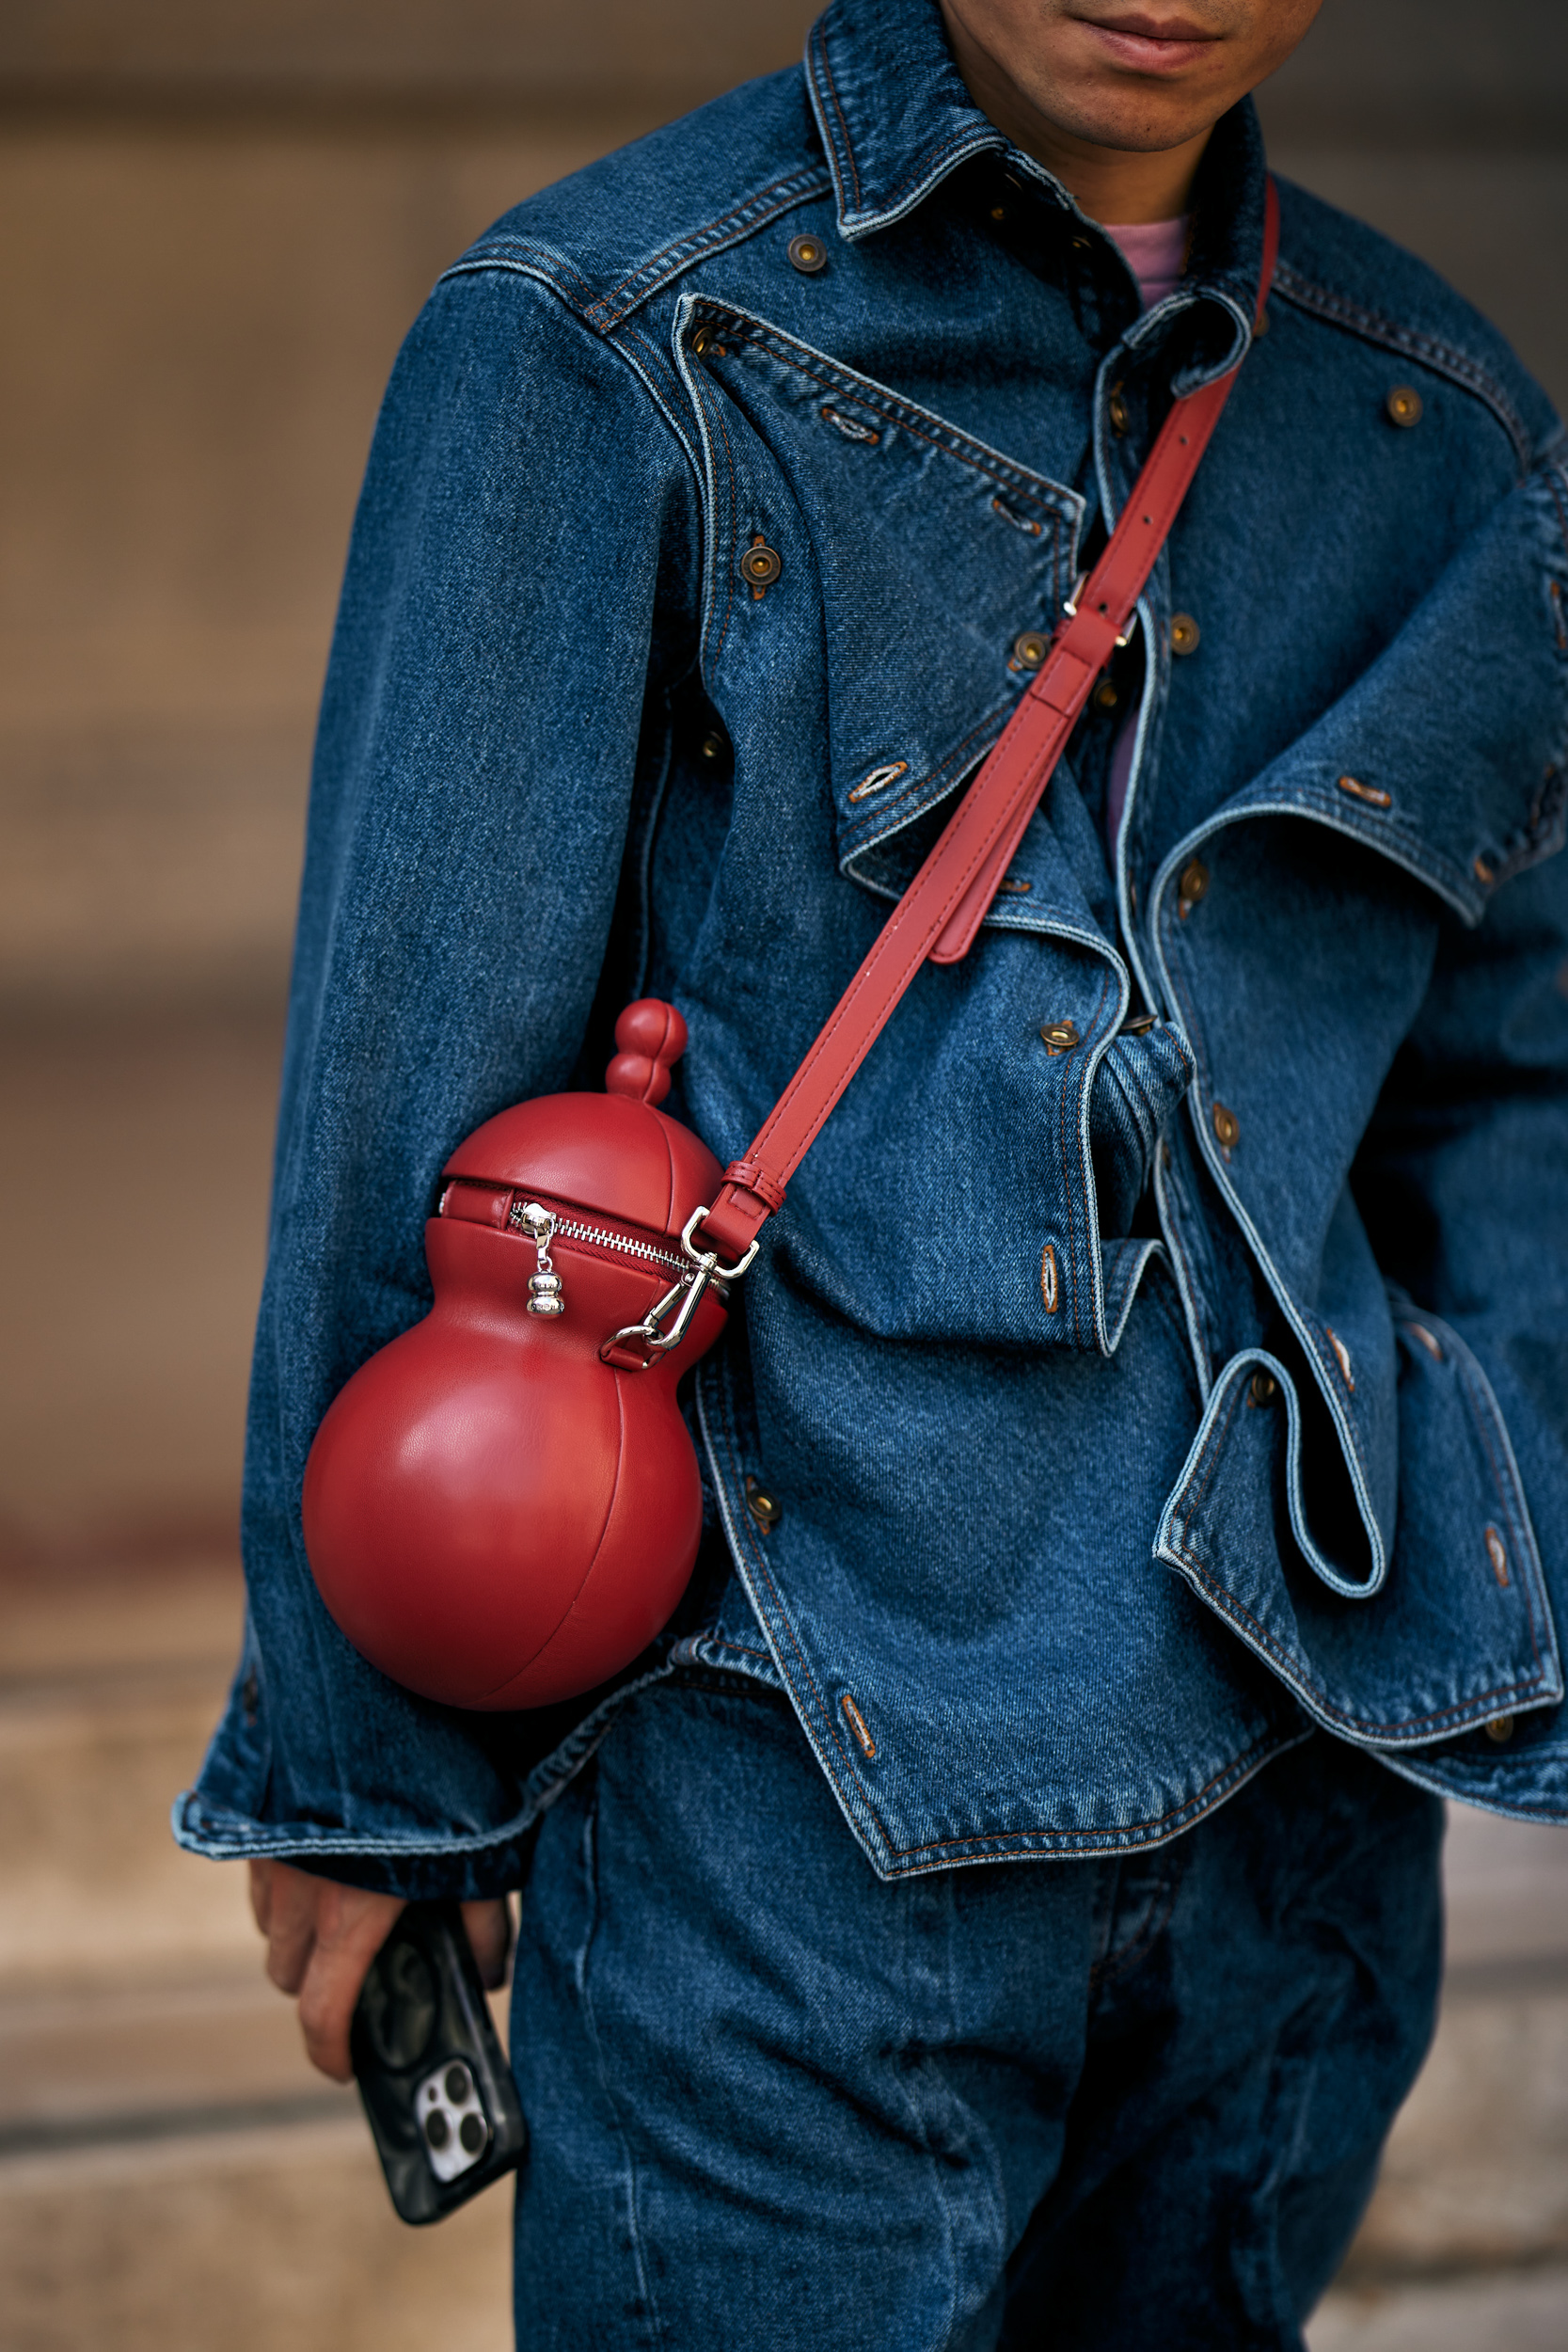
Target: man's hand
323,1937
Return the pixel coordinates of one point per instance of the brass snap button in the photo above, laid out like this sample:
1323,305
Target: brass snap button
761,564
713,745
1059,1037
1185,634
808,254
762,1506
999,211
1193,885
1500,1728
1139,1024
1403,404
1029,650
1262,1388
1228,1128
1106,695
1116,408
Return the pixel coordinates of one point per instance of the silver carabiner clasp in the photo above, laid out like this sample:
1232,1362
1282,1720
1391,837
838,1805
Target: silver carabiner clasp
650,1333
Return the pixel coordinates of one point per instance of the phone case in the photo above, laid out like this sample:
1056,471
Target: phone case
436,2089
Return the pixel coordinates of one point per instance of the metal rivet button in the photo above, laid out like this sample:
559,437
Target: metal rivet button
762,1506
1228,1127
1030,649
1341,1356
1500,1728
1051,1287
699,341
1139,1024
1482,871
713,745
1185,634
1194,883
1059,1037
1262,1388
1080,245
809,255
1106,695
999,211
761,564
1116,408
1497,1551
1403,404
1372,794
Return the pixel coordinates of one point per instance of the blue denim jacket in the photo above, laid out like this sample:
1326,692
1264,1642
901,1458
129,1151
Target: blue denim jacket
1276,1434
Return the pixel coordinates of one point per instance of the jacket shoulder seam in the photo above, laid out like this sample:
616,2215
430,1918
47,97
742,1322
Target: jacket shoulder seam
1433,351
604,309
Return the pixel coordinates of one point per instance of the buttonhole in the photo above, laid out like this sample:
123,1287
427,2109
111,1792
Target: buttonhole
1019,522
879,780
1497,1551
1373,796
1051,1288
858,1725
851,427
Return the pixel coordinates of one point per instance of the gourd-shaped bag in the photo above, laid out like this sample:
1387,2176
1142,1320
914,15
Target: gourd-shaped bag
502,1507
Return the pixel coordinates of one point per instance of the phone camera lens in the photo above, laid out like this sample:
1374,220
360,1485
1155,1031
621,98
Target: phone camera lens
436,2129
459,2085
471,2133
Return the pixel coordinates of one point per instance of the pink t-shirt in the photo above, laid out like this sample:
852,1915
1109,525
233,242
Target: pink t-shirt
1155,251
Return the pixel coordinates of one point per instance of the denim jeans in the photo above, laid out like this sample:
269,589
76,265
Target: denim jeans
777,2102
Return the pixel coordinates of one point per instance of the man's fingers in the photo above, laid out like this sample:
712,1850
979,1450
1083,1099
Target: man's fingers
260,1893
489,1931
350,1929
292,1900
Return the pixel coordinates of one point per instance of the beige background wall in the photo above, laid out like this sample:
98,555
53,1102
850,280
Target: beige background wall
215,225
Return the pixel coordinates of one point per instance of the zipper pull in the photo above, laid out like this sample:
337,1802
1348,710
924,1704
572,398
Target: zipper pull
545,1297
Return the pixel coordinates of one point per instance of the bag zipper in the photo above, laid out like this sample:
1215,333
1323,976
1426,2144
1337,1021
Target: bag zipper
601,1237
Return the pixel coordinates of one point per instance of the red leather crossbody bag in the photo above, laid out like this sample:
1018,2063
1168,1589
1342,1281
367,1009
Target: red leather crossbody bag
502,1507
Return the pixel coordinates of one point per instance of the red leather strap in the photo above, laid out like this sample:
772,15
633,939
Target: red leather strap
949,899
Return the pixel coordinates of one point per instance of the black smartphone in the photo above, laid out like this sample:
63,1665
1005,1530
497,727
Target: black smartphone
438,2091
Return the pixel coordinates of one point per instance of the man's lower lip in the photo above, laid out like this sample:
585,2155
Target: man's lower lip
1144,55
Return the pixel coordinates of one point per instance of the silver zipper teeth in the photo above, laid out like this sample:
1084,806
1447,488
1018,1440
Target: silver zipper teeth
569,1229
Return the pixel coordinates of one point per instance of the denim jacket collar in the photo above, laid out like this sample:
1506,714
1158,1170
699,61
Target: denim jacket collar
895,120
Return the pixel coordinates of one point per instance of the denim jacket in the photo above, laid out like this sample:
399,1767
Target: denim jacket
1137,1395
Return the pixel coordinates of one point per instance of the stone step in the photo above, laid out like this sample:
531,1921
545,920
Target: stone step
141,2049
274,2239
1517,2311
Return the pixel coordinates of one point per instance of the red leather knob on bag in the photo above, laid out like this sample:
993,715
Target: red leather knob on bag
495,1514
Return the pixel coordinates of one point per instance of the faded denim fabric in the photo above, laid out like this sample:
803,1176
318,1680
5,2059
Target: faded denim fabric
1107,2106
1129,1405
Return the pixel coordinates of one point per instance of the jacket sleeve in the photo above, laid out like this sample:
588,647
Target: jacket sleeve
521,557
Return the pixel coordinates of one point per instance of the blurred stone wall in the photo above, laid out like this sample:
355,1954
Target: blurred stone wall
215,223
